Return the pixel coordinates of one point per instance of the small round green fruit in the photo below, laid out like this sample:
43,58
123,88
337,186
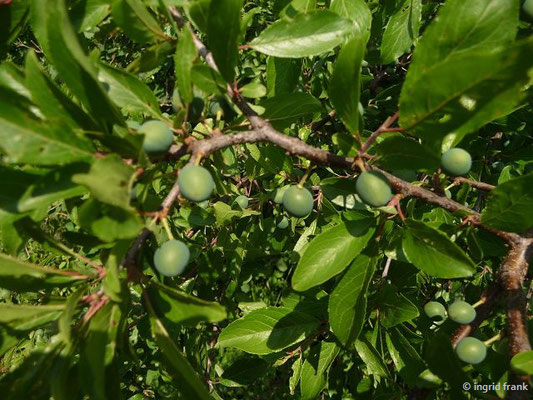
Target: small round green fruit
298,201
157,137
435,311
461,312
373,188
242,201
284,223
471,350
456,161
171,258
196,183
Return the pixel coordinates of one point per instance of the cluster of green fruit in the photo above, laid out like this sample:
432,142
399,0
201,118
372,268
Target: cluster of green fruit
468,349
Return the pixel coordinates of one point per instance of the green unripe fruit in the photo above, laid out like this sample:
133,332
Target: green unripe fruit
284,223
471,350
461,312
196,183
157,137
298,201
528,7
435,311
456,161
171,258
242,201
373,188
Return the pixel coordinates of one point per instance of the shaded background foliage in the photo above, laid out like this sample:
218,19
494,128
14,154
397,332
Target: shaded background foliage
329,307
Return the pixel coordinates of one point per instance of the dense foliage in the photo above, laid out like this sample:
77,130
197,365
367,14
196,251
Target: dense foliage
265,199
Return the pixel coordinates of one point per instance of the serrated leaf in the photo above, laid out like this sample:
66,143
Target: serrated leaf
108,180
26,139
267,330
523,362
315,368
187,379
371,357
183,61
401,31
438,98
23,318
55,186
181,308
406,359
330,252
347,302
355,10
128,92
509,205
345,86
398,152
133,17
431,251
306,35
21,276
53,29
223,32
282,75
87,14
394,307
290,106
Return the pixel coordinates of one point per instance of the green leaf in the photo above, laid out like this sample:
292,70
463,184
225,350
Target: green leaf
183,61
523,362
66,330
355,10
128,92
340,191
180,308
306,35
267,330
406,359
152,57
394,307
98,352
244,371
401,31
135,19
509,205
198,12
21,276
26,139
87,14
399,152
438,98
282,75
52,27
12,21
187,380
347,302
330,252
23,318
345,86
371,357
108,180
108,222
431,251
290,106
315,368
52,102
223,32
225,214
55,186
442,361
